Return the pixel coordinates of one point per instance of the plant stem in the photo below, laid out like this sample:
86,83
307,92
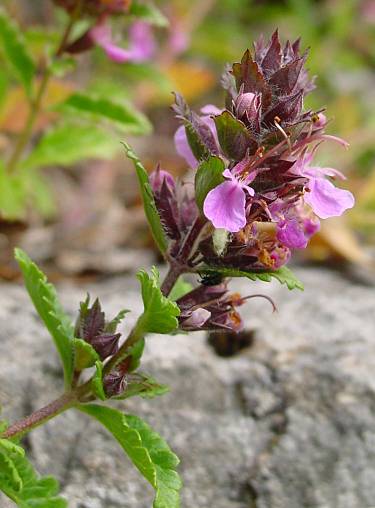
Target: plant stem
36,104
170,279
187,248
27,131
41,416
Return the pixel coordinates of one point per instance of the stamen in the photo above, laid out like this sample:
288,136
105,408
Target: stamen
277,121
262,296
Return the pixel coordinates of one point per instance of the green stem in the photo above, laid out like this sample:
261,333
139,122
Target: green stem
24,138
25,135
41,416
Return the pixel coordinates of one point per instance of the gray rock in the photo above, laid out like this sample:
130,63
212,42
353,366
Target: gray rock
288,423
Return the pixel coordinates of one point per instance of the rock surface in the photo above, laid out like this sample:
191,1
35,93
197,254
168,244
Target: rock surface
287,423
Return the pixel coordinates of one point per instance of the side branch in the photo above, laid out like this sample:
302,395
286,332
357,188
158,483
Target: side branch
41,416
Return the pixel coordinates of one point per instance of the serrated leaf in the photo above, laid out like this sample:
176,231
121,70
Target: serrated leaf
112,325
234,138
97,381
69,143
146,449
7,466
85,355
14,47
20,482
12,195
46,303
126,117
284,275
149,13
208,176
148,201
160,313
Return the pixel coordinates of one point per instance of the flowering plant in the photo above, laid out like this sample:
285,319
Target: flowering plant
256,197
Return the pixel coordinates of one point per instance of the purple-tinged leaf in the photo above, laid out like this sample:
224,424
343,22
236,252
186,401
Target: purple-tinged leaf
272,59
234,138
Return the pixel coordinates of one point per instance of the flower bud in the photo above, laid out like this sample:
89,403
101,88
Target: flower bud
92,327
243,104
115,383
210,308
159,177
105,344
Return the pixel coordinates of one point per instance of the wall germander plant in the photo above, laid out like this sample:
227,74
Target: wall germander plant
257,196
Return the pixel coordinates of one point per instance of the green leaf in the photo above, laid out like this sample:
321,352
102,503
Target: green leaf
59,67
123,116
146,449
14,47
160,313
234,138
19,481
45,300
208,176
136,353
7,466
149,13
148,201
85,355
38,192
69,143
97,381
284,275
112,325
199,149
12,195
180,289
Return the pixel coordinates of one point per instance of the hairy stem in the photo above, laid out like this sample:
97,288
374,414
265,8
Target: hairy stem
24,138
187,248
170,280
68,400
134,336
41,416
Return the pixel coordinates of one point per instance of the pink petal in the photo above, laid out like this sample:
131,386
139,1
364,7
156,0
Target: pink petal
101,34
117,54
224,206
158,177
183,147
326,200
291,234
335,173
210,109
141,41
198,318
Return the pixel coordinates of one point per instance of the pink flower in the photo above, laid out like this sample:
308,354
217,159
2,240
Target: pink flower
181,141
141,43
295,224
325,199
225,205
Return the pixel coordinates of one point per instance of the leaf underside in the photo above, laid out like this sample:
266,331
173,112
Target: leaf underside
284,275
146,449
